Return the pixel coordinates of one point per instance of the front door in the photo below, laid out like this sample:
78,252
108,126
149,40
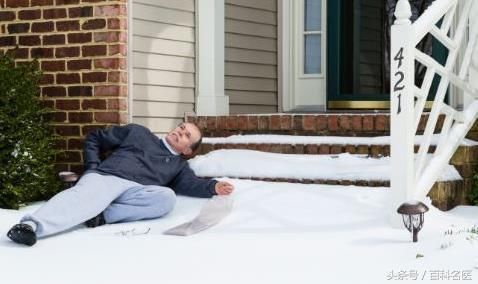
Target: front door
358,43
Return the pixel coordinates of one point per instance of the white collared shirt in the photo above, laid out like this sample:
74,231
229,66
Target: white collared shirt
169,147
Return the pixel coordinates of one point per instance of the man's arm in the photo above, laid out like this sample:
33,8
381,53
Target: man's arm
102,140
187,183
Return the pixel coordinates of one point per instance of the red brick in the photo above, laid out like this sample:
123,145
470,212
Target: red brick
252,122
7,16
17,3
68,25
263,122
381,123
79,38
54,91
117,49
80,91
67,2
29,14
332,123
93,77
222,122
8,41
41,3
231,122
110,11
211,122
80,117
68,78
53,39
336,149
80,12
286,122
79,64
43,27
297,121
311,149
67,104
18,28
324,149
111,90
110,63
47,79
322,122
111,36
357,122
41,52
93,104
29,40
73,51
309,122
345,122
94,24
120,104
274,122
94,50
67,130
117,24
117,77
76,143
367,122
242,122
54,13
107,117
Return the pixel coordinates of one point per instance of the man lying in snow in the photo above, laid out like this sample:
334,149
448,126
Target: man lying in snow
138,181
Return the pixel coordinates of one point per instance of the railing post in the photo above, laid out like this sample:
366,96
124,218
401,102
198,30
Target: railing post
401,110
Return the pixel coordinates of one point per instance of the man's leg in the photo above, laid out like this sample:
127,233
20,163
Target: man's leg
140,203
90,196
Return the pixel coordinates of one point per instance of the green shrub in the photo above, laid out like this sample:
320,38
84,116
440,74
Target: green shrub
26,139
473,195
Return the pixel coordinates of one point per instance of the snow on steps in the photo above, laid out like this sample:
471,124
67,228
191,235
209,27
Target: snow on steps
256,164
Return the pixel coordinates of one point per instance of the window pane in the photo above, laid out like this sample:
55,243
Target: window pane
312,54
312,12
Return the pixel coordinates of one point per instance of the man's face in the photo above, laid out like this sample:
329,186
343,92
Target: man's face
182,137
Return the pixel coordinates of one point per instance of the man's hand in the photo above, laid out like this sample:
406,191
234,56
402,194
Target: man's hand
224,188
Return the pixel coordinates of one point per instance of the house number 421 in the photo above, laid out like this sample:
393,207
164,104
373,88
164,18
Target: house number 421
399,83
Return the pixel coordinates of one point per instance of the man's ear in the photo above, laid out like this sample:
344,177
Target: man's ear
188,151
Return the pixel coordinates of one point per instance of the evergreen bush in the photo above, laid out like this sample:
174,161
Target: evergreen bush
26,140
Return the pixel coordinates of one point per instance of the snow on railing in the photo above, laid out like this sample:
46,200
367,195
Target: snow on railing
413,176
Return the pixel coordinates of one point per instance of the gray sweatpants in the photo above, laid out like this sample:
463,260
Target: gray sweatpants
120,200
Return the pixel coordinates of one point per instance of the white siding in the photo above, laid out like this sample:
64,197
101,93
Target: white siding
163,62
251,55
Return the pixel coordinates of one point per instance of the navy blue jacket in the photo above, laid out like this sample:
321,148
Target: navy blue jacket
140,156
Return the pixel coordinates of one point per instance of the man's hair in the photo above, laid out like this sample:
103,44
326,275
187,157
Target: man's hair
196,144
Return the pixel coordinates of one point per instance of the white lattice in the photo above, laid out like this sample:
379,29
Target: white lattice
413,176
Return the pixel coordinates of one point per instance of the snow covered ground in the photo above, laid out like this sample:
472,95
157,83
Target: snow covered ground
277,233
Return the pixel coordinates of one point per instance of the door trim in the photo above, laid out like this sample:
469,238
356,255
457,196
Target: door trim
287,51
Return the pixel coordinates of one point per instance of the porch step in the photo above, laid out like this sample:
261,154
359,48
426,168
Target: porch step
320,124
342,169
286,144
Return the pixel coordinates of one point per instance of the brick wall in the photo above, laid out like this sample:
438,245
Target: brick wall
81,48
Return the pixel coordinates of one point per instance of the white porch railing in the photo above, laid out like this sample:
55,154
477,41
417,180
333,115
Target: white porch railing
414,175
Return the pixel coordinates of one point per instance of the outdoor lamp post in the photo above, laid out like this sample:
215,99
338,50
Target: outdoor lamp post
412,214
